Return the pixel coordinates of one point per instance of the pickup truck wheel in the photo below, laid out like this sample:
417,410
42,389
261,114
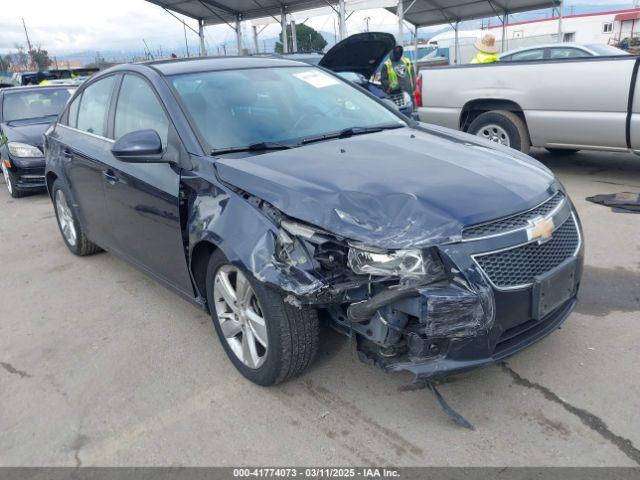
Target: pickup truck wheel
70,227
14,191
267,339
562,151
502,127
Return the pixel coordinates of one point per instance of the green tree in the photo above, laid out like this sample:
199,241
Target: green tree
309,40
40,58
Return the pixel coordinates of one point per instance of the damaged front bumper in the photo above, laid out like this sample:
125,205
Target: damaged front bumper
486,298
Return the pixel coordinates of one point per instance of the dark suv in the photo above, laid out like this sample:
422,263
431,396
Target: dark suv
277,196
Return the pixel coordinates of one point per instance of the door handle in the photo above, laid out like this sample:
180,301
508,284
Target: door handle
110,176
68,154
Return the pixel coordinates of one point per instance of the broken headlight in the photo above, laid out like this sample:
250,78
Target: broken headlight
399,263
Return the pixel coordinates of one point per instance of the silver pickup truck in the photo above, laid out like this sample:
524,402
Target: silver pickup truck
561,105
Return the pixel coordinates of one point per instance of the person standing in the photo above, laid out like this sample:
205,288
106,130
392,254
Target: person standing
487,50
397,72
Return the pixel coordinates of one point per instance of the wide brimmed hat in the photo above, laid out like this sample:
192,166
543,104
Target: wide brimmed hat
487,44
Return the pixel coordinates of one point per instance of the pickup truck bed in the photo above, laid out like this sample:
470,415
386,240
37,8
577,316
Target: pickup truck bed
573,104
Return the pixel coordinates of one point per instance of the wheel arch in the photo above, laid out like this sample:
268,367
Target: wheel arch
50,179
472,109
200,255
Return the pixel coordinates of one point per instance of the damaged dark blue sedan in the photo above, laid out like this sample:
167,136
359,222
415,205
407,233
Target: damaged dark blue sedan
278,196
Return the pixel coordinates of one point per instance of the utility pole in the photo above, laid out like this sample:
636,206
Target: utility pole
368,19
27,35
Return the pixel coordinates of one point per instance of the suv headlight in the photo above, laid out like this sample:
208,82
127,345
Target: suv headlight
401,263
23,150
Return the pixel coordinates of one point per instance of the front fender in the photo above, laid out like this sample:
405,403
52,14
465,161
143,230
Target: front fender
246,236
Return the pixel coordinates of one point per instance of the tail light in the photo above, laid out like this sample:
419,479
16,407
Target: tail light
417,92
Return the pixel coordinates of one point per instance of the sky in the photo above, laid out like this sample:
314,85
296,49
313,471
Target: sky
68,26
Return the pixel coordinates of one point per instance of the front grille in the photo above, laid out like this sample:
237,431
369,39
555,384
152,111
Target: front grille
398,99
514,222
517,267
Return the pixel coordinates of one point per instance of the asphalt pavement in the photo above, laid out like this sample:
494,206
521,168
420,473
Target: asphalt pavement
101,365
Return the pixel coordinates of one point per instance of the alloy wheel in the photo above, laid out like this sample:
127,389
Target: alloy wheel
240,316
65,219
495,133
7,178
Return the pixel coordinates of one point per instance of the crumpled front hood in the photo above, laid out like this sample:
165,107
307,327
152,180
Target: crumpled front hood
393,189
25,132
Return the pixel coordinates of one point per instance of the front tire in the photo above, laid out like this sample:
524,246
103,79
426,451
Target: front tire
267,339
68,223
10,180
501,126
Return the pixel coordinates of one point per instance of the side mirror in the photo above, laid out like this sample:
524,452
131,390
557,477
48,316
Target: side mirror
141,146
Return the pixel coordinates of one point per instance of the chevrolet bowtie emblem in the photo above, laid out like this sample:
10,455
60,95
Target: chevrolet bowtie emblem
541,229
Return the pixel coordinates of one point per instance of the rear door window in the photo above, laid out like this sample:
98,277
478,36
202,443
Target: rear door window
557,53
138,108
528,55
92,113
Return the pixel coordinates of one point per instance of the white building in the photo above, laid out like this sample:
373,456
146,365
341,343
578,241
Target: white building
604,28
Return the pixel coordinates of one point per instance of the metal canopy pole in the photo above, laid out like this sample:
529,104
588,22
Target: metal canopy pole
203,50
283,23
560,35
255,38
505,17
456,44
400,13
342,20
415,58
294,37
239,34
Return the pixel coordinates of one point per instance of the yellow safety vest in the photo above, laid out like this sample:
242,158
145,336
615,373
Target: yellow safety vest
482,57
393,77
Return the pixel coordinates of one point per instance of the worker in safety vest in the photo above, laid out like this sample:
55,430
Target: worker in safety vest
397,73
487,50
41,79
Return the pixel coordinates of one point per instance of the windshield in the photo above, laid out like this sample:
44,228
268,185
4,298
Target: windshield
34,103
281,105
606,50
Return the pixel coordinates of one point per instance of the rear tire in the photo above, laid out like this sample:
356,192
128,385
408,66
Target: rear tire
68,222
503,127
292,333
562,151
10,180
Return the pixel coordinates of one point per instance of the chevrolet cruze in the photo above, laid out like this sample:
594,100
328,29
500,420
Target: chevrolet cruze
277,196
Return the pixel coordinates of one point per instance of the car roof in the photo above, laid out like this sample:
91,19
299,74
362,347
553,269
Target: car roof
24,88
204,64
547,45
